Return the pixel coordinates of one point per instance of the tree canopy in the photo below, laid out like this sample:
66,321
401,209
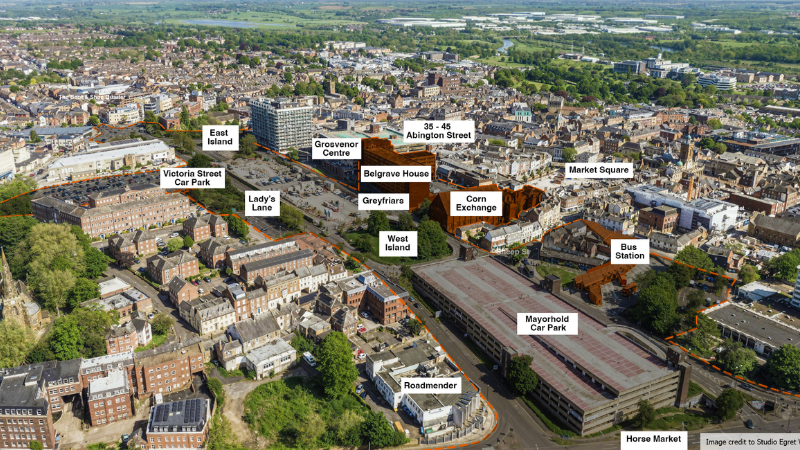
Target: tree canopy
336,367
520,375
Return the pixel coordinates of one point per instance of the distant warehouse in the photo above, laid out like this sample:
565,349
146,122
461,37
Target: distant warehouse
111,157
591,380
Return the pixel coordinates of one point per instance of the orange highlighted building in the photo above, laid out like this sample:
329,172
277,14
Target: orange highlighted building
380,152
514,203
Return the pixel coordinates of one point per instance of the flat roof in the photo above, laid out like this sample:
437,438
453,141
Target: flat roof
112,285
492,295
113,152
768,331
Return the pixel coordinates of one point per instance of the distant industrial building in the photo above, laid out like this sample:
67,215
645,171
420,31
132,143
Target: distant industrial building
111,157
711,214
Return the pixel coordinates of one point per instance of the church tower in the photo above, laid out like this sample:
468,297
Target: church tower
687,153
12,302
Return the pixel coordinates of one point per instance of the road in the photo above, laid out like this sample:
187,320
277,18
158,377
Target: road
160,302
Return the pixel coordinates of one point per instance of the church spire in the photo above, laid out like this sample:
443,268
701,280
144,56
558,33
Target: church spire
8,289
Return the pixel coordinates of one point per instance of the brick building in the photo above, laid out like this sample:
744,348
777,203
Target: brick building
385,306
202,228
121,339
181,291
213,252
167,368
271,266
25,411
181,424
178,264
514,203
108,399
234,258
660,218
116,217
380,152
137,243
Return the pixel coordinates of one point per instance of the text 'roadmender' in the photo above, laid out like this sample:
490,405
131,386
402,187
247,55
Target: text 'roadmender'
547,324
430,385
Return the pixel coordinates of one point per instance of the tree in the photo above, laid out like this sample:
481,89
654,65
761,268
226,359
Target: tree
188,242
693,256
728,403
785,266
199,160
248,145
749,273
431,239
405,222
715,124
645,415
83,290
94,120
237,226
681,274
34,136
92,324
362,243
15,343
336,367
376,431
736,358
65,340
162,323
520,375
174,244
50,257
95,262
424,208
301,344
569,154
783,367
35,445
706,333
293,154
287,77
516,253
351,264
720,283
719,148
656,308
291,217
415,327
377,222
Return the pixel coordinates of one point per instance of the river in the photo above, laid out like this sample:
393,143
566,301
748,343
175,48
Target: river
506,45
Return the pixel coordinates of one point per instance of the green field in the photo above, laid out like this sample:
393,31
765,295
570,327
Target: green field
566,274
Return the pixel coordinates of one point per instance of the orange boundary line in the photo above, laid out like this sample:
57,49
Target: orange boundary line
727,299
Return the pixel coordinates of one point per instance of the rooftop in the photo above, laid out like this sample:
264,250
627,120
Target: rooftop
492,295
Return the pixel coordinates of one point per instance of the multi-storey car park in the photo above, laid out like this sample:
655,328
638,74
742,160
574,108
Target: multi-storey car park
591,380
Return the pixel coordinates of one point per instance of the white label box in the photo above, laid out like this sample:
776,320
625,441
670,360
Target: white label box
438,131
476,203
336,148
630,251
397,243
430,385
262,203
218,138
748,441
598,170
188,178
383,202
550,324
389,174
654,440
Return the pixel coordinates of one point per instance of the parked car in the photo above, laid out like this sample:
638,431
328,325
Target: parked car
174,235
749,424
359,388
142,270
416,305
150,316
207,280
746,387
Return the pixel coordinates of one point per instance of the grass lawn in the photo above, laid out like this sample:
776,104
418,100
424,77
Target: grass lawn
566,275
158,339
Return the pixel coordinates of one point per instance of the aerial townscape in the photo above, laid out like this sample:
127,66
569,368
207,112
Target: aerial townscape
357,224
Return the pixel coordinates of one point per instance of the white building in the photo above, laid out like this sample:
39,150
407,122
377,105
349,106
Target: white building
711,214
113,157
275,357
311,278
722,83
7,167
123,114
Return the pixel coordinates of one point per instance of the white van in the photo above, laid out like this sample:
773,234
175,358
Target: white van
310,359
